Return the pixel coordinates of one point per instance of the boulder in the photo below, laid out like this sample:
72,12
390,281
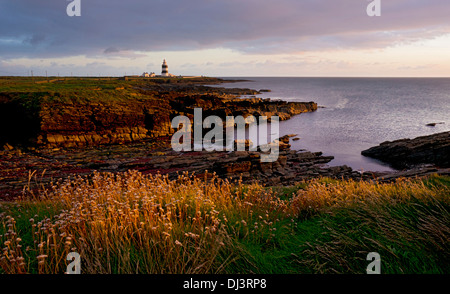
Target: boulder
407,153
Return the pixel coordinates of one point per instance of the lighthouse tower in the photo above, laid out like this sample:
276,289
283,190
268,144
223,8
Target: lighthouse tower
165,69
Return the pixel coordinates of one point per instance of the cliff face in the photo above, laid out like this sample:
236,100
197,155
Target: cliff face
78,125
114,119
213,105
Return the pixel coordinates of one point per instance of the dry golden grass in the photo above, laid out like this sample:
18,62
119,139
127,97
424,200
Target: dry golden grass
320,196
131,223
409,221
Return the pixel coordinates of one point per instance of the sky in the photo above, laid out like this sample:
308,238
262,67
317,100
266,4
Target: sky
225,38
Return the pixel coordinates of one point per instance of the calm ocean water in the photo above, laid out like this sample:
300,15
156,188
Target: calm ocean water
359,112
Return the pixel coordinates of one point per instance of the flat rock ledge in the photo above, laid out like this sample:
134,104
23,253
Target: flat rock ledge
47,166
38,168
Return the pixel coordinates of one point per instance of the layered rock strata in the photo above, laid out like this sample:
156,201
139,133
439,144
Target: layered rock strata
143,114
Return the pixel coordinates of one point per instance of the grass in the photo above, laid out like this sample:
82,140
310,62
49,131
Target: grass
131,223
70,84
31,93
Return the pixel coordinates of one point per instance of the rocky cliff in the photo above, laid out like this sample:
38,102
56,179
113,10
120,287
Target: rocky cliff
78,125
123,114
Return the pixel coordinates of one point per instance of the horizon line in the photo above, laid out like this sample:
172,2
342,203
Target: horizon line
212,76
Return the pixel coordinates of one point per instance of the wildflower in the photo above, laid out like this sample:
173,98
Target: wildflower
191,235
178,243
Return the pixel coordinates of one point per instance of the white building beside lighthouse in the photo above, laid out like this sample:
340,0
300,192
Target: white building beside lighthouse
164,72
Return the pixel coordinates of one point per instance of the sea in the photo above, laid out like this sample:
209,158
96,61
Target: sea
357,113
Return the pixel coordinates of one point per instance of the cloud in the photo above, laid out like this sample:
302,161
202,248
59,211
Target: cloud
419,67
111,50
43,29
35,39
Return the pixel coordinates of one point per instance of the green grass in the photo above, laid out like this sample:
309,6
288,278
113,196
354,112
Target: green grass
70,84
411,237
31,93
265,231
23,212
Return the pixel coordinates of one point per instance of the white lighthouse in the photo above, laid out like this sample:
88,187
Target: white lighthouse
165,69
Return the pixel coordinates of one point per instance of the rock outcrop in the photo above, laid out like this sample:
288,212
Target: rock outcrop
123,115
407,153
102,123
155,157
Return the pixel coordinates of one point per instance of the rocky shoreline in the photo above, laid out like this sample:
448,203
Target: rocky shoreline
39,168
129,128
418,157
123,115
114,126
408,153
